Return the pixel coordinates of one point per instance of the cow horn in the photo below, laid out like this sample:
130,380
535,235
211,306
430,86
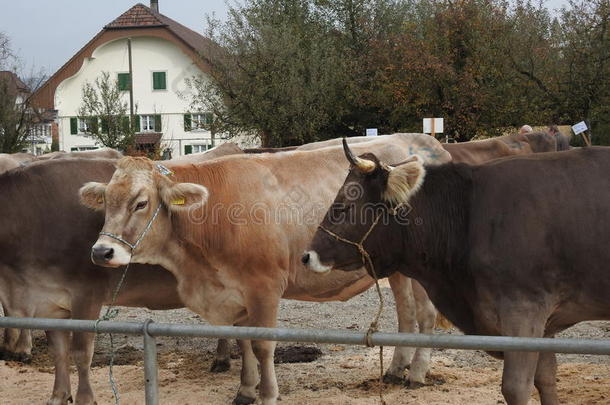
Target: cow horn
364,165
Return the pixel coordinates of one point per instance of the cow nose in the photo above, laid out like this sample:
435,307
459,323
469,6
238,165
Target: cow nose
101,254
305,258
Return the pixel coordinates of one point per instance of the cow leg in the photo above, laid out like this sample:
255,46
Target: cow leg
82,354
17,345
222,362
520,367
545,379
249,375
426,318
17,342
262,311
405,311
59,342
85,307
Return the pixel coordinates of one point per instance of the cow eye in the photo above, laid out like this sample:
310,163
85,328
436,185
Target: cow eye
141,205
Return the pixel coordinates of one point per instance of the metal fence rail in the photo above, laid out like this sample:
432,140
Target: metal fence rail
150,330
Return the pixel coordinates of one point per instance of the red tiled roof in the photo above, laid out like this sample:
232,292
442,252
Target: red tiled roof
141,16
137,16
14,82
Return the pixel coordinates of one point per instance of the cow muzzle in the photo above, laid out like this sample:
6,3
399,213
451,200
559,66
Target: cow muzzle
109,255
312,261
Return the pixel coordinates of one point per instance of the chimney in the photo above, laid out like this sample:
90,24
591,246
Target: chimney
154,5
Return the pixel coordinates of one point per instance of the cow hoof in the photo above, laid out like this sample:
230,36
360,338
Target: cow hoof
20,357
393,379
414,384
243,400
59,401
220,366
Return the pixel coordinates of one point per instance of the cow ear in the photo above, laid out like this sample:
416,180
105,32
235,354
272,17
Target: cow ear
182,196
404,180
92,195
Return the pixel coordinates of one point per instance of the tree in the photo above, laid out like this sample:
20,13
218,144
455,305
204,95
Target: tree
570,67
106,113
278,74
17,115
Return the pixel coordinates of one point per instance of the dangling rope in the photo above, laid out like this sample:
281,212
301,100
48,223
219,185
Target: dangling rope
111,312
366,259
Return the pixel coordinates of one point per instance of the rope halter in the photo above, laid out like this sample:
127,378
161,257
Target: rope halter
366,259
144,232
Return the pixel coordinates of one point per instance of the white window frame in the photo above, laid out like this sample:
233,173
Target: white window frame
197,121
83,148
200,147
83,127
147,123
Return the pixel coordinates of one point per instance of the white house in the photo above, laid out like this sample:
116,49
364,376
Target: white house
164,54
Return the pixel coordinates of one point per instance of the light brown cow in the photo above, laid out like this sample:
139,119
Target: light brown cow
42,274
102,153
11,161
234,245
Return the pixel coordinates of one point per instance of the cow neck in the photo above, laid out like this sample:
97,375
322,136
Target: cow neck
181,258
435,243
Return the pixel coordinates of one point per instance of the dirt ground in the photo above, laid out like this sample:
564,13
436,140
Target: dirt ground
337,375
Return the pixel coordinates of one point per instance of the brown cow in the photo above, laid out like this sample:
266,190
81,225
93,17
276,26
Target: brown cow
234,245
42,275
11,161
103,153
514,247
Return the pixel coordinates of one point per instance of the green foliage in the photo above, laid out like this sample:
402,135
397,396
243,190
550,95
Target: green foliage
17,117
295,71
106,113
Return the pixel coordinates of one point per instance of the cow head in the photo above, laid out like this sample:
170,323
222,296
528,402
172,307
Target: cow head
371,189
138,203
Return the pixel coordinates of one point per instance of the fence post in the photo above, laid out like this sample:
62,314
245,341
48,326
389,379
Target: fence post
150,366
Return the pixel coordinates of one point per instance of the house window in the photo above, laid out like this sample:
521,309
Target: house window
83,148
159,82
123,79
83,126
147,123
199,121
188,149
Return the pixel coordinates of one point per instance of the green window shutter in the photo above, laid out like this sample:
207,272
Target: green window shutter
157,123
73,125
136,123
159,81
104,125
92,123
188,149
187,122
209,118
125,124
123,79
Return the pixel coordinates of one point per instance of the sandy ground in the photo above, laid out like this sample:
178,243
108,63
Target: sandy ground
341,375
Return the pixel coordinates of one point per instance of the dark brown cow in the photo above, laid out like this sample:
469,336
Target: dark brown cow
42,229
514,247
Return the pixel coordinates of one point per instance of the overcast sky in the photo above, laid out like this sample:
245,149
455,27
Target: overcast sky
46,33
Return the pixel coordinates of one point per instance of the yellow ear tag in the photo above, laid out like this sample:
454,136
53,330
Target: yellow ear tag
100,200
178,201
